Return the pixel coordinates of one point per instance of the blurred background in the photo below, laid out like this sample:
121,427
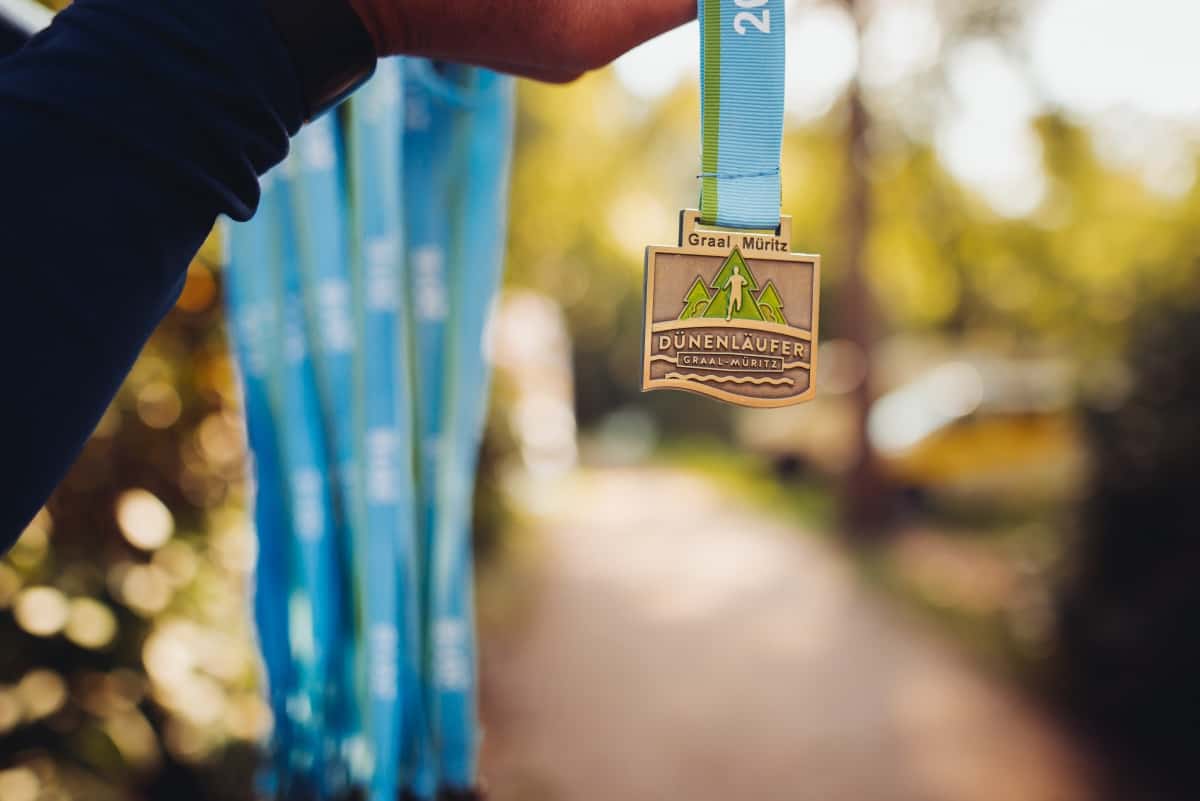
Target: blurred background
967,571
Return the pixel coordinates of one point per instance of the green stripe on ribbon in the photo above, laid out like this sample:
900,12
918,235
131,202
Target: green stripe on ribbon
711,113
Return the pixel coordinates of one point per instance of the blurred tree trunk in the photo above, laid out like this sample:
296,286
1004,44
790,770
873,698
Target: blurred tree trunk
864,504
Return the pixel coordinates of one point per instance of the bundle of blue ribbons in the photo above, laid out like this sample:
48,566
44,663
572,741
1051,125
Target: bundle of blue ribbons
358,298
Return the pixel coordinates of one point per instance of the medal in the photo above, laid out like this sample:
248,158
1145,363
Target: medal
731,312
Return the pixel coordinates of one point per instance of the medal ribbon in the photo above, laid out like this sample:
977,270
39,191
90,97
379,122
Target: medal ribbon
316,600
430,142
364,600
457,143
476,263
252,316
742,58
387,561
265,300
317,182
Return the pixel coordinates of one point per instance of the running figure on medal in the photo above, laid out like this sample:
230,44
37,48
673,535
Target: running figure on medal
735,284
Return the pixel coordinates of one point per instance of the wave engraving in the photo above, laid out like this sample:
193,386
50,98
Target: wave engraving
729,379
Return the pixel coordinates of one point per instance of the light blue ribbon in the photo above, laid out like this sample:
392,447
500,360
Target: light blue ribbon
317,184
742,74
366,390
388,564
254,318
429,143
457,146
317,592
265,301
476,262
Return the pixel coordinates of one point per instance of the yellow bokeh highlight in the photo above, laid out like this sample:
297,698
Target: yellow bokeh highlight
159,405
41,611
19,784
10,709
145,521
90,624
199,289
42,693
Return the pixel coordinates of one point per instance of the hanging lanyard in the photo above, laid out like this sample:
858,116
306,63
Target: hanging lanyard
456,145
253,315
334,427
431,141
731,312
742,57
474,271
295,521
383,419
387,565
317,184
316,599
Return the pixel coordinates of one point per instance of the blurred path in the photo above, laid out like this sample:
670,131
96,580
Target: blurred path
685,647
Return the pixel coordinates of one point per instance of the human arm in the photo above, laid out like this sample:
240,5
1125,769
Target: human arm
129,125
125,129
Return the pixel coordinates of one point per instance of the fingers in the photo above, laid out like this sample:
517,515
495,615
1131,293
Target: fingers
655,17
546,39
474,31
543,74
595,32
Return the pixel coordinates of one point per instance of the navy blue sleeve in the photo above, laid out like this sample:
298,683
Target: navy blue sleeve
125,129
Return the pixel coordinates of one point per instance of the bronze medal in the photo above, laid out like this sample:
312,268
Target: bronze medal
732,315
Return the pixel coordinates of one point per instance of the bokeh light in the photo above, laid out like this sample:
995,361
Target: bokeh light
168,652
10,584
221,439
179,561
199,290
145,520
31,548
186,742
90,623
146,589
42,692
248,718
10,709
41,611
134,737
19,784
159,405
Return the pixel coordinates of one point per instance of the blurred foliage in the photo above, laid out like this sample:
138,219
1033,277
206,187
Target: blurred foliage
601,174
1127,645
128,668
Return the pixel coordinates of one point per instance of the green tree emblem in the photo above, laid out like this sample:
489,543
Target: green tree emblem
697,300
721,284
771,305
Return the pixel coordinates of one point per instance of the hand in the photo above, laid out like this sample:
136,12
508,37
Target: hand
550,40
